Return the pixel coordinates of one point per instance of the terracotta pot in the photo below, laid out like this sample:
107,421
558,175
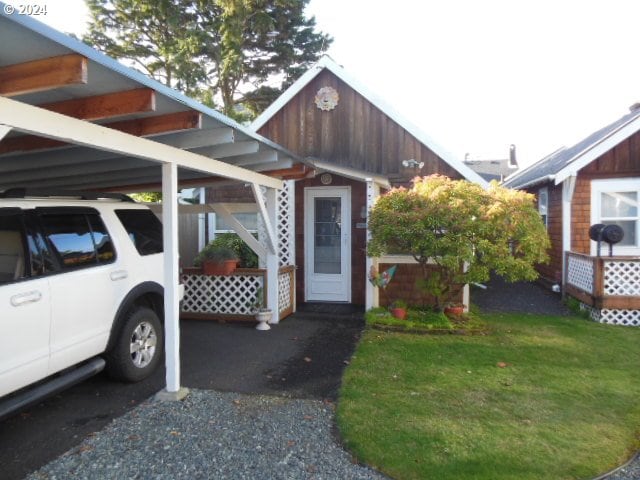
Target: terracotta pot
457,310
219,268
400,313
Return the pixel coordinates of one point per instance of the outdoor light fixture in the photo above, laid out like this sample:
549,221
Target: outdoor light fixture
412,163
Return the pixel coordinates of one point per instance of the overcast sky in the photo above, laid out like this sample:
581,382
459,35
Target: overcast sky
477,76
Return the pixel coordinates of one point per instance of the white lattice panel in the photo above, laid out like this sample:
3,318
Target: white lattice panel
622,277
286,248
629,318
222,294
580,273
284,292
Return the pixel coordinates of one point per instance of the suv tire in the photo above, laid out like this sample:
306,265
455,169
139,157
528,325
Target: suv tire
138,346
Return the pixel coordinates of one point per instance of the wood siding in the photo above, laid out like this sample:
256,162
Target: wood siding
355,134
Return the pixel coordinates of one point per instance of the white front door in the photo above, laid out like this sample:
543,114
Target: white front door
328,244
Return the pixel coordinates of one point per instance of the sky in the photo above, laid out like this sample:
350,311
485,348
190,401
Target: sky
477,76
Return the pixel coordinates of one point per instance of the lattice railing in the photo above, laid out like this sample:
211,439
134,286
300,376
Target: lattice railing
221,294
286,246
286,288
622,277
581,272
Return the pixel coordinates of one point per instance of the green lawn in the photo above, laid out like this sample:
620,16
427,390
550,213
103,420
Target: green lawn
565,406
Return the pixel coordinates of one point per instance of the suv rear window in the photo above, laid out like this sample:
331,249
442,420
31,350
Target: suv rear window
144,229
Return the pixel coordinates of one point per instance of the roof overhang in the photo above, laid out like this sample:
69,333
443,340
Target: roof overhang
362,176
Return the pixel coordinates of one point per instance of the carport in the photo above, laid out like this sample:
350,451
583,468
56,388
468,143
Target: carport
72,118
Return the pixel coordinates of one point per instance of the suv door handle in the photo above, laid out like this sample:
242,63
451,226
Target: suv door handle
118,275
24,298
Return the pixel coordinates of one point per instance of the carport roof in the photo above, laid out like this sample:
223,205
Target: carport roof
40,66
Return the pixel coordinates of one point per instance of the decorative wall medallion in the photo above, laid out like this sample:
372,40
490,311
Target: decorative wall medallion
326,179
327,98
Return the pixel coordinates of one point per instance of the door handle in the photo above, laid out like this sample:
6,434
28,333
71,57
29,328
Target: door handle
24,298
118,275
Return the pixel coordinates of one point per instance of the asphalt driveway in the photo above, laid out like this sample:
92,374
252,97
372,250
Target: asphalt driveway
303,357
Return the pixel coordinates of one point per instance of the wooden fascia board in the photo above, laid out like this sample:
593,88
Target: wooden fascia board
109,105
140,127
594,152
40,122
44,74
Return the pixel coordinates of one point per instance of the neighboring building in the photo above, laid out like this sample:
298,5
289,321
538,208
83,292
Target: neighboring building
596,181
358,146
493,169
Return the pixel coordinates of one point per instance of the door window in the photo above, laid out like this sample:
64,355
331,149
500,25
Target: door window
327,235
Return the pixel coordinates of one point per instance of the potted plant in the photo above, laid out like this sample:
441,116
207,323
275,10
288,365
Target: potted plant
455,309
262,313
216,260
399,309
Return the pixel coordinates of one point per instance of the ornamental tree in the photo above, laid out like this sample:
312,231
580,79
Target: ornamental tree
464,229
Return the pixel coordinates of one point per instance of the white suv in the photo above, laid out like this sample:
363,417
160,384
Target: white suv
80,290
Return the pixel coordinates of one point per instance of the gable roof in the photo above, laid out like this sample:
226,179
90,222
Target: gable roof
327,63
566,162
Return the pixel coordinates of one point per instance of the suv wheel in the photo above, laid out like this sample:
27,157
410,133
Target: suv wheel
138,347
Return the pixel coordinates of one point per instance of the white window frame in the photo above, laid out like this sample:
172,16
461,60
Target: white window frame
544,206
615,185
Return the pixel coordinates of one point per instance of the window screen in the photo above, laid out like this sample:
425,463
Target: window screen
144,229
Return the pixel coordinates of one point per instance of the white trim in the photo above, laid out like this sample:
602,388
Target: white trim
43,123
326,62
351,173
568,188
4,130
310,193
592,152
171,275
261,202
371,294
614,185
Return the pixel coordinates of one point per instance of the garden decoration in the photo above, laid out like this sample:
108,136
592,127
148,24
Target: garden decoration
262,313
381,280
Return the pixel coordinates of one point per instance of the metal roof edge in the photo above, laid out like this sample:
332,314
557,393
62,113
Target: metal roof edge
112,64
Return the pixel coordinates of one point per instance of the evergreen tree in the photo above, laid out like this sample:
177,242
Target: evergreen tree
235,54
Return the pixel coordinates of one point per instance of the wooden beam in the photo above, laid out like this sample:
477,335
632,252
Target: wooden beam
45,74
106,106
296,172
140,127
36,121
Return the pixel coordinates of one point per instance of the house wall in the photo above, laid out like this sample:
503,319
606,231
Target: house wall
355,134
358,236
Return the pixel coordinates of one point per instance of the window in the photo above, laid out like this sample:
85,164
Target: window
217,224
12,251
78,240
543,205
617,202
144,229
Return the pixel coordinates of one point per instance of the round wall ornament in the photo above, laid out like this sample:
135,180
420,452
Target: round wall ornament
327,98
326,179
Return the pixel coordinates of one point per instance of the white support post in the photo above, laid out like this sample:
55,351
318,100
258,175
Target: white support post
171,282
568,187
273,265
371,293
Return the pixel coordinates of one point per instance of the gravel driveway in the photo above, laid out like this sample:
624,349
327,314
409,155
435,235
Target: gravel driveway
214,435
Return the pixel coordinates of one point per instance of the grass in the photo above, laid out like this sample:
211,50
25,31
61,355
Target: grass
538,398
422,320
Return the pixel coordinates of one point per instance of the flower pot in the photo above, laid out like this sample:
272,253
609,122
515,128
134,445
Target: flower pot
263,317
454,310
400,313
219,268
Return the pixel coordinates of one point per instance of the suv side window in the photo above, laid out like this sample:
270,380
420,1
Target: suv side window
78,240
12,251
144,229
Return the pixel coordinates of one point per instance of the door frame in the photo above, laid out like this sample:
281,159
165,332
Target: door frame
310,193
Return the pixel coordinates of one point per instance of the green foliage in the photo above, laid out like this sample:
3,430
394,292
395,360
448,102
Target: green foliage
214,253
247,257
456,223
147,197
424,320
231,52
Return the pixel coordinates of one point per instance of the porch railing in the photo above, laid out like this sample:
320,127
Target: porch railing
610,285
229,297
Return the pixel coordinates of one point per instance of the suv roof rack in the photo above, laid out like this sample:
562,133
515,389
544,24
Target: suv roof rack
82,195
